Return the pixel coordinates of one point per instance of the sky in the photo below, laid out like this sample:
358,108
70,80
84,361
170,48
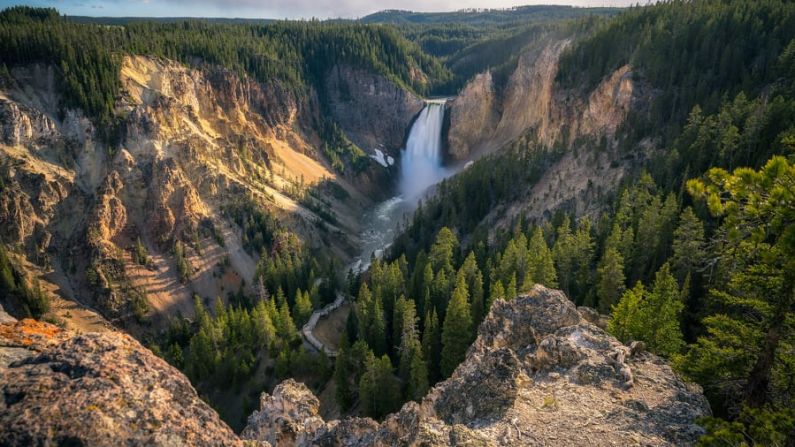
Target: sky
278,9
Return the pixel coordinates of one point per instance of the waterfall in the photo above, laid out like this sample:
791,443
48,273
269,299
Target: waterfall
420,168
421,161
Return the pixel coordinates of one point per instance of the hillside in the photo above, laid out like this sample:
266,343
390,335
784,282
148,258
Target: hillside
487,17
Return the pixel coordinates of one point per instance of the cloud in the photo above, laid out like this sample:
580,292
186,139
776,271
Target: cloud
292,9
359,8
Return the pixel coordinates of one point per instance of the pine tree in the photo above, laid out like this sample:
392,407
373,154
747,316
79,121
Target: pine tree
750,339
582,257
563,254
625,323
263,324
511,292
262,291
362,309
541,267
412,369
286,329
303,307
379,392
474,280
432,345
651,316
610,279
401,307
418,377
443,251
688,246
282,364
497,292
342,375
377,330
662,312
440,290
456,331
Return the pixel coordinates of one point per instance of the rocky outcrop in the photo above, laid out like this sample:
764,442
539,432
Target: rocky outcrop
60,388
372,110
19,125
538,374
286,417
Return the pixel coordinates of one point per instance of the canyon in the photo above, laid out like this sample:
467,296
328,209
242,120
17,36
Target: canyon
126,236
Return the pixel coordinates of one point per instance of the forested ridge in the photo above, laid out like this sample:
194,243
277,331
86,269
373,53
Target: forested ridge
294,54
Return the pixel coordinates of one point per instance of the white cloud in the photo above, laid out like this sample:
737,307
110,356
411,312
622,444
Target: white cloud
292,9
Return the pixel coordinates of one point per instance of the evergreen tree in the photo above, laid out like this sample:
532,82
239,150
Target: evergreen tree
362,309
497,292
651,316
432,345
626,322
743,358
377,331
418,377
303,307
610,279
443,251
541,267
511,292
474,280
456,331
563,253
582,257
689,252
342,375
379,392
286,330
263,324
398,322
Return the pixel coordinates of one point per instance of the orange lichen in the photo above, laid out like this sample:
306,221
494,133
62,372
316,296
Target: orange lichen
28,332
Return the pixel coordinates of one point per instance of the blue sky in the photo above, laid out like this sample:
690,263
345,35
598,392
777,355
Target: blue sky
278,9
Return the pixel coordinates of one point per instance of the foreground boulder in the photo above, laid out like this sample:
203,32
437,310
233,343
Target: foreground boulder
538,374
60,388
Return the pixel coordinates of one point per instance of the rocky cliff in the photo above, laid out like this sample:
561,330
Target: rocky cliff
539,373
531,107
531,101
60,388
374,112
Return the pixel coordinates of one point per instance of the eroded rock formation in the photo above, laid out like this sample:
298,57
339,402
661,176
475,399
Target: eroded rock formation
60,388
